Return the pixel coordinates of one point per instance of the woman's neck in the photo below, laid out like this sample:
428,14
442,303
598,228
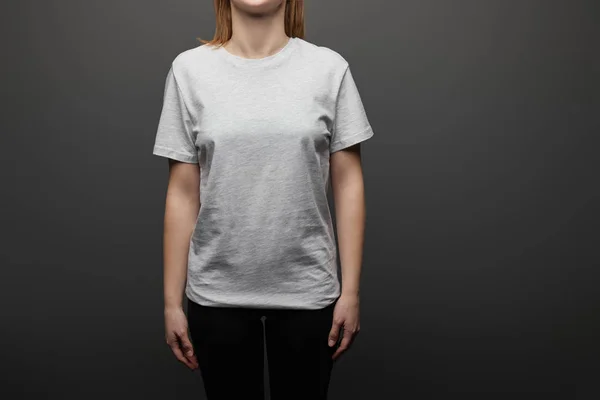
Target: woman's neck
257,35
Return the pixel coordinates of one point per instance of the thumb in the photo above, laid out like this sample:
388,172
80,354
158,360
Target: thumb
186,346
334,333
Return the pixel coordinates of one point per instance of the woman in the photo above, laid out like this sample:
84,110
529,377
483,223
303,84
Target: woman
253,123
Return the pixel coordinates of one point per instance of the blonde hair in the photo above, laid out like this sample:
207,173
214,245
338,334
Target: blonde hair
294,21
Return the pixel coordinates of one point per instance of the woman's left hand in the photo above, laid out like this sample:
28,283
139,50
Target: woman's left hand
346,318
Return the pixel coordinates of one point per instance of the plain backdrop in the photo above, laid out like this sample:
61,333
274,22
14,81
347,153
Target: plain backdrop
481,255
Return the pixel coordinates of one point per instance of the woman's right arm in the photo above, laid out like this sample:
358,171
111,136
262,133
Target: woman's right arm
181,210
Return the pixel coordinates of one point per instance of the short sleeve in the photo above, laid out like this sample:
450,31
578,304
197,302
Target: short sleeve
175,136
350,124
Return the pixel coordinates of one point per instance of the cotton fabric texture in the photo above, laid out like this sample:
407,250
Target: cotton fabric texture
262,131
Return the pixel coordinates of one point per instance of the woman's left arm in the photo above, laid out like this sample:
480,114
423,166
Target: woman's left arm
349,198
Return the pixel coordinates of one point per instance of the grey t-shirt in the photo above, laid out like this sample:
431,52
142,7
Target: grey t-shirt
262,131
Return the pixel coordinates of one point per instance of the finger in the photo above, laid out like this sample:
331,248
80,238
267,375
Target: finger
175,346
188,350
179,354
344,345
334,333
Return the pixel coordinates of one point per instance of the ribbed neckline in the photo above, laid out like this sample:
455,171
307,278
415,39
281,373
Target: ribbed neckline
257,62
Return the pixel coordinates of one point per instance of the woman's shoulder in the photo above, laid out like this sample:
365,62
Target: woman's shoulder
322,54
200,54
195,62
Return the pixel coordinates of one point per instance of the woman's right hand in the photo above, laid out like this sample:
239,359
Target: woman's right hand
176,327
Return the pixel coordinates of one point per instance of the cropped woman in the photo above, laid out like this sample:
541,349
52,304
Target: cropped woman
254,122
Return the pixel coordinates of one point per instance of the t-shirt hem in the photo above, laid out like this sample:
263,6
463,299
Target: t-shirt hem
314,304
351,140
174,154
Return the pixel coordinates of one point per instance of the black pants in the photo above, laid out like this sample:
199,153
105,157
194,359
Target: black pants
229,345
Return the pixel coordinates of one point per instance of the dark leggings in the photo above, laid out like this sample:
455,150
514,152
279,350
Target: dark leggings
229,345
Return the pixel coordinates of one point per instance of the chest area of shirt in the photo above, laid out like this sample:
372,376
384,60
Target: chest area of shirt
266,110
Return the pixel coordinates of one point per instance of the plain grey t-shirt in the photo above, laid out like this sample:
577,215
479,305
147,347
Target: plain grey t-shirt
262,131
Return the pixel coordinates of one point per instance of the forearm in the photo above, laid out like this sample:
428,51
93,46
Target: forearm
350,217
180,217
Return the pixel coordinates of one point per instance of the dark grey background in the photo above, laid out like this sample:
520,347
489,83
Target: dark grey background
480,268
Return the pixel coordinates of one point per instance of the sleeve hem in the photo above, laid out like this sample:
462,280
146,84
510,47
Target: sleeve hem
174,154
351,140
